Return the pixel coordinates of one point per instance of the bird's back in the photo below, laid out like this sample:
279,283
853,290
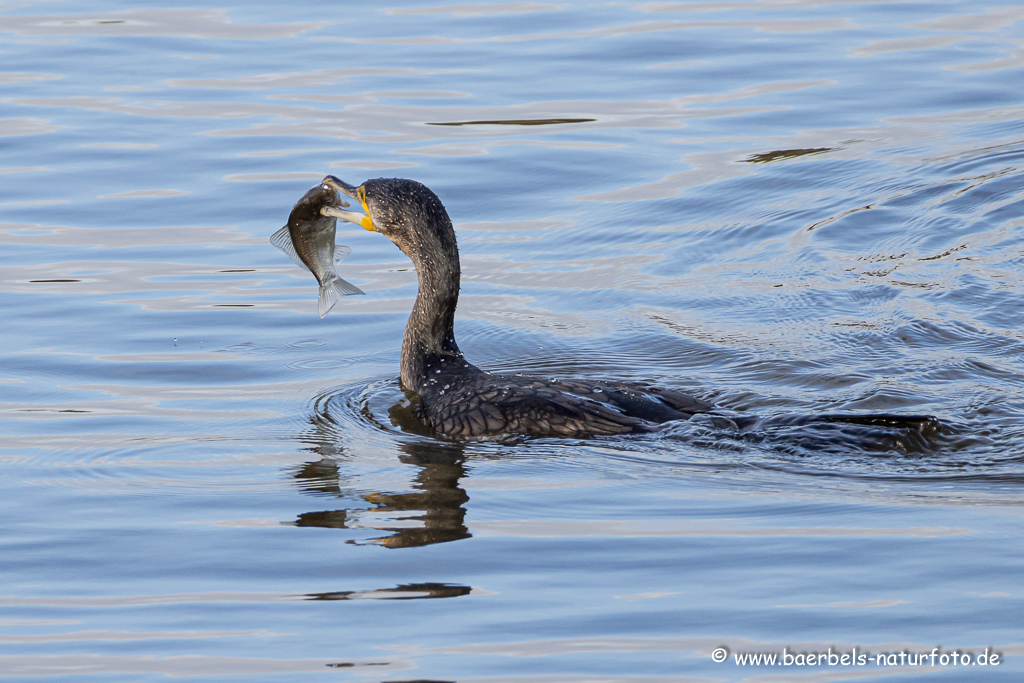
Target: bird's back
490,405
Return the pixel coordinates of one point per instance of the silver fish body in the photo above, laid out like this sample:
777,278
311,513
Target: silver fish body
308,240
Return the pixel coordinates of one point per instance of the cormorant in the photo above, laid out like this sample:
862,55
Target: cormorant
461,400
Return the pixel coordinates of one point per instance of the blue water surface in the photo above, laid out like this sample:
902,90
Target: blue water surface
782,207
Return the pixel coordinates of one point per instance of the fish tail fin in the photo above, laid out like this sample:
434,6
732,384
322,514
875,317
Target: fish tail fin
332,291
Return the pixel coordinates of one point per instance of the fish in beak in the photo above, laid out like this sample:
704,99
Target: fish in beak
308,240
357,193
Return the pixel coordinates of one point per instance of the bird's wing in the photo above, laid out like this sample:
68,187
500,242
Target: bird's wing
641,401
537,409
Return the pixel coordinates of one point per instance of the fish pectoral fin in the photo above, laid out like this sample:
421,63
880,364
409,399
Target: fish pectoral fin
340,252
282,239
332,291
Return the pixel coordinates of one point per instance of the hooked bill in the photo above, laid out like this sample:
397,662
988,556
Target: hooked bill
308,240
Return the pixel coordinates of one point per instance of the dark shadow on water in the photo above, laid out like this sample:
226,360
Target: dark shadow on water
409,591
511,122
767,157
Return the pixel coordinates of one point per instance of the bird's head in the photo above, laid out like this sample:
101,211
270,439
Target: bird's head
406,212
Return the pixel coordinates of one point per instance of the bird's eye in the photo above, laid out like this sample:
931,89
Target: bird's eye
325,186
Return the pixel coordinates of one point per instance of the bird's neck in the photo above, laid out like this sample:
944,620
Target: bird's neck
429,347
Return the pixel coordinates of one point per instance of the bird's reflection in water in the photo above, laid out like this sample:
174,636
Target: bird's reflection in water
436,506
438,496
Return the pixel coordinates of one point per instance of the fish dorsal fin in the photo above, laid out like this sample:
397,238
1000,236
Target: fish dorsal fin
282,239
340,252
